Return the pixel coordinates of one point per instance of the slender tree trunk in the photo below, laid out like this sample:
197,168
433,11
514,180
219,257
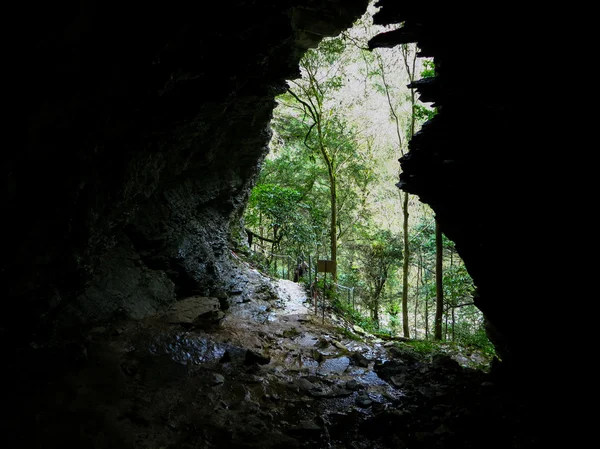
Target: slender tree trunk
426,300
410,70
453,323
406,255
333,225
377,295
273,252
446,325
439,304
329,161
405,324
260,230
426,318
315,109
419,268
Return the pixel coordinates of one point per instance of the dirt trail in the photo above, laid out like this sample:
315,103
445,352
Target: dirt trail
293,296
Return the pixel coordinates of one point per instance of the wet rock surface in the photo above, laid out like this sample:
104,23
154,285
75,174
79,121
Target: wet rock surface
270,374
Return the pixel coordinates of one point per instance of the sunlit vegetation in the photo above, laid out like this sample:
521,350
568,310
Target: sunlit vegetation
327,191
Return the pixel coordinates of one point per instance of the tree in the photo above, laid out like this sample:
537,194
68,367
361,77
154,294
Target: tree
410,70
378,253
439,302
279,211
428,72
327,134
458,293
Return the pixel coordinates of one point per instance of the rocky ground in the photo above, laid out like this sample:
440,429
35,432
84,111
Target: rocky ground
268,373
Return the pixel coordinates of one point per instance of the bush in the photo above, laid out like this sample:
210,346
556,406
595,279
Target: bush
345,309
476,339
423,347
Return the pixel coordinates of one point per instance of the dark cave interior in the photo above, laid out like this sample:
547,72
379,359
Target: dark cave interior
147,126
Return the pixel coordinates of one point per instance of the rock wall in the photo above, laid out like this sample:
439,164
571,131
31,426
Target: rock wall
485,162
147,126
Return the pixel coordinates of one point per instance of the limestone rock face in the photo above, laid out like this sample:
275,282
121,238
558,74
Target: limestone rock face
193,310
147,127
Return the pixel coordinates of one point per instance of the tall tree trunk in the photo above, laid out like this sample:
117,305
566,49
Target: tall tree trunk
405,327
315,109
330,162
410,70
439,288
446,315
406,254
453,323
426,299
417,290
333,227
426,318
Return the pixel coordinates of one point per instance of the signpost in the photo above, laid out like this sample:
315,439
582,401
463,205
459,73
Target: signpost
324,266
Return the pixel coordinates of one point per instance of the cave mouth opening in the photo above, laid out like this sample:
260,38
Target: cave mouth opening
145,159
353,109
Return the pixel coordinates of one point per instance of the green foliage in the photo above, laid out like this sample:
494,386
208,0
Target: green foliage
329,52
423,239
423,347
469,355
280,211
318,141
382,332
348,334
429,69
274,202
377,254
458,285
423,113
474,338
347,311
393,309
322,71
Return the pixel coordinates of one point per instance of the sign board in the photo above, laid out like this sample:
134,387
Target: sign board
325,266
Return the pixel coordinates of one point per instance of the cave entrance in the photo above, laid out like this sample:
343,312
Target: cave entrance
131,322
328,191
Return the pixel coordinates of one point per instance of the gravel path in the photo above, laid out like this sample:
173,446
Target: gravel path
293,296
